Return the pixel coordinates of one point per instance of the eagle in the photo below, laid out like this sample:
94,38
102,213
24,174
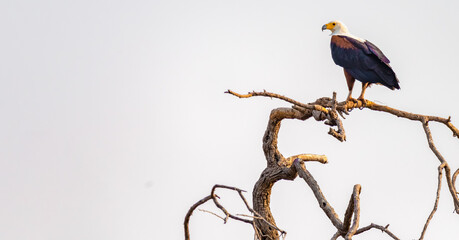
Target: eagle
360,60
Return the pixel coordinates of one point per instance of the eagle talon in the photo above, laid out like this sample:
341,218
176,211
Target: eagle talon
350,99
364,103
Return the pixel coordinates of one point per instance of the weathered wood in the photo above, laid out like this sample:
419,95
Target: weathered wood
281,168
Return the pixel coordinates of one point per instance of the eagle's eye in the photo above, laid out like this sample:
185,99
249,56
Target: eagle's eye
334,24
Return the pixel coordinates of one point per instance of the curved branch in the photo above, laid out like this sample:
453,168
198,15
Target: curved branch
272,154
278,167
453,182
412,116
214,197
451,186
188,215
227,214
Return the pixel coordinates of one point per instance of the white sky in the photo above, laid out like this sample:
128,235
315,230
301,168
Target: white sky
114,122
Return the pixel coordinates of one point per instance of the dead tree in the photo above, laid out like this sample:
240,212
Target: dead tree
288,168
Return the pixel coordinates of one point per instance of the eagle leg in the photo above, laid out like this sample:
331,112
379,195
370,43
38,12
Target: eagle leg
364,87
350,84
364,102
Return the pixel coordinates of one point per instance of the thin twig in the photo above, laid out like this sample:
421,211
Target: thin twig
383,229
227,214
278,96
249,216
206,211
440,174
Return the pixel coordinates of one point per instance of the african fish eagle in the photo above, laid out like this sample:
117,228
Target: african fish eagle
360,59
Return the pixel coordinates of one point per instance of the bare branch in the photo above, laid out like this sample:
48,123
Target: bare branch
334,120
454,176
340,134
330,104
440,174
453,183
258,216
383,229
348,216
214,197
188,215
206,211
323,103
227,214
412,116
278,96
451,186
323,203
425,125
356,204
307,158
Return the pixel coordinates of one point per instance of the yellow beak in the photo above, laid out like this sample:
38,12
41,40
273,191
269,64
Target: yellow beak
327,26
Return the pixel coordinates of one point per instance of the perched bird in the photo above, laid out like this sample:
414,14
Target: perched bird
360,59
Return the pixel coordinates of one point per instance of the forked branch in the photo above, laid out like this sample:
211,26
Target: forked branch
288,168
228,215
329,109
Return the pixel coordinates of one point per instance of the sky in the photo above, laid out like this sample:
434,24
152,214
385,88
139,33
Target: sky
114,119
